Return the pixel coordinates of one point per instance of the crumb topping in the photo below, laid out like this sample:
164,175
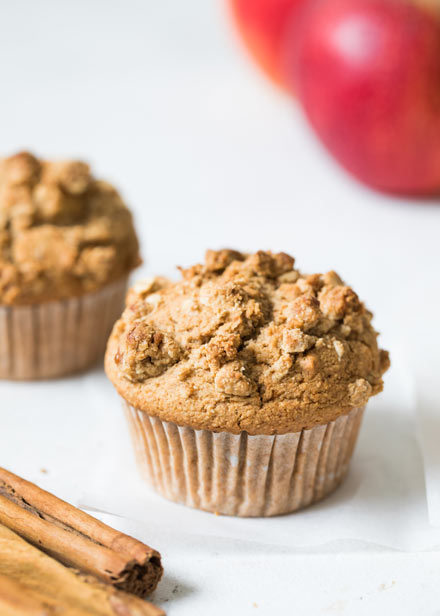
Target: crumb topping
246,342
62,233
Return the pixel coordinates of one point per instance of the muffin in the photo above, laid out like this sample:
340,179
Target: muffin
67,245
245,383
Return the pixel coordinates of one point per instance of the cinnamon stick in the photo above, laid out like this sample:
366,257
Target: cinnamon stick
34,584
76,538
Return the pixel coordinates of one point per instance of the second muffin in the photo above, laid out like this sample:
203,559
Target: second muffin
67,245
245,383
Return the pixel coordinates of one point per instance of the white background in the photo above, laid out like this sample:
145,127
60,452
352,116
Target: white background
161,99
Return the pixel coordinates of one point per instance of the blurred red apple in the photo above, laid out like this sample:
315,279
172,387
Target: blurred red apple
262,24
368,75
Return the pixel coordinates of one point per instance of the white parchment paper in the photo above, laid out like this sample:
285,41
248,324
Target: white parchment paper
382,501
428,420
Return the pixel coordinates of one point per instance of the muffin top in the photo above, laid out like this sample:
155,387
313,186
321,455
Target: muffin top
246,343
62,233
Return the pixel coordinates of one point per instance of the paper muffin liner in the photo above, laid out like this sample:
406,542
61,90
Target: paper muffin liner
58,338
243,475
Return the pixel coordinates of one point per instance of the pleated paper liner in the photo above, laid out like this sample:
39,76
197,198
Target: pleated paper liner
243,475
58,338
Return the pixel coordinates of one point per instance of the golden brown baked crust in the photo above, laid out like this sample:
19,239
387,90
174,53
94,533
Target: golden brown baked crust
246,342
62,233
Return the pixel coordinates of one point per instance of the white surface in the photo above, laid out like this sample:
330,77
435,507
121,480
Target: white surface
158,97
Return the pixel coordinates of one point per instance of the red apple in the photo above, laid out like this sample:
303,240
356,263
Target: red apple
368,75
262,24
